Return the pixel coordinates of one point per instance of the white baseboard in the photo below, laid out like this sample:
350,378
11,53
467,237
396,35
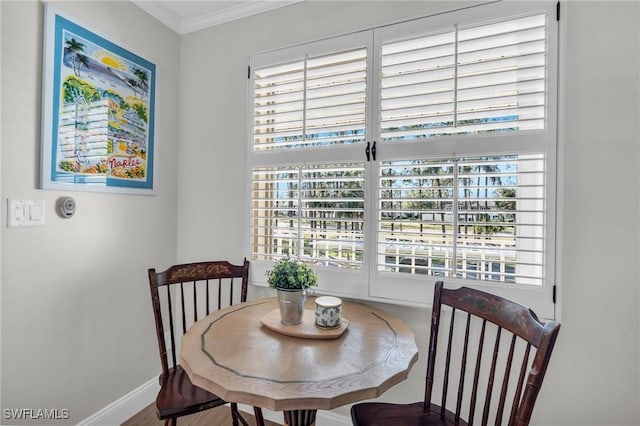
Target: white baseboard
329,418
125,407
135,401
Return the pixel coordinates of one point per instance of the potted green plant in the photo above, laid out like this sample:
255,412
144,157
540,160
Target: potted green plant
292,279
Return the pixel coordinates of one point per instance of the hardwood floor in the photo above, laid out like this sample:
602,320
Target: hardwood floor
219,416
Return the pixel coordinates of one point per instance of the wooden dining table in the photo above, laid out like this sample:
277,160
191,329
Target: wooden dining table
241,355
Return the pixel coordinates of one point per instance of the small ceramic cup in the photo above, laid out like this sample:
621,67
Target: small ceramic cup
328,311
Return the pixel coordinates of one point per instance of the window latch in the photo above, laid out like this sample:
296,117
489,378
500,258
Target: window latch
373,151
367,151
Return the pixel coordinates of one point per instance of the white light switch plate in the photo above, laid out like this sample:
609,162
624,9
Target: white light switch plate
25,213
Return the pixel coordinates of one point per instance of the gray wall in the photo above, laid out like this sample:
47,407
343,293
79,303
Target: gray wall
76,325
598,359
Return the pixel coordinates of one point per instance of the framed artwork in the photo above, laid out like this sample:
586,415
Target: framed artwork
98,112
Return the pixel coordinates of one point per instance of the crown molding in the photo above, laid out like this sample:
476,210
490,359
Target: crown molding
161,14
221,16
242,10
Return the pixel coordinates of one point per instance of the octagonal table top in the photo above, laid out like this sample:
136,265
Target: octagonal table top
232,354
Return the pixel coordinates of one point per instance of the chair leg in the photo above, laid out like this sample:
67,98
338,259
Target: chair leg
171,422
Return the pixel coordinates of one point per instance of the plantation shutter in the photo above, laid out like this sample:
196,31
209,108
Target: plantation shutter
308,132
472,218
465,80
461,109
465,107
316,101
312,212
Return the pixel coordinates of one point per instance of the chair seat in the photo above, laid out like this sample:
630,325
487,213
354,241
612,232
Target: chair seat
387,414
179,397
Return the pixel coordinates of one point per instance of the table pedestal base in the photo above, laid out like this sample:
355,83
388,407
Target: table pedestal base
300,417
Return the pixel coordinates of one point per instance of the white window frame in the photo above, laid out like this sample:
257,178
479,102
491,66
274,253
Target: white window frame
410,289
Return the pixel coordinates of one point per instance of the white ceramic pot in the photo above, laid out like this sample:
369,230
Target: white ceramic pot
328,311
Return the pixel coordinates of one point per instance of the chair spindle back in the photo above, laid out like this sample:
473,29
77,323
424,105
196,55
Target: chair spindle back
496,356
191,291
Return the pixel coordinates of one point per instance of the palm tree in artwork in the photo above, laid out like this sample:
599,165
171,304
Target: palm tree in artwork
75,47
142,78
82,60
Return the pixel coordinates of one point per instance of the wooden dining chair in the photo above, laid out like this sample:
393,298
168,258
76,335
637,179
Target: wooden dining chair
191,291
495,354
